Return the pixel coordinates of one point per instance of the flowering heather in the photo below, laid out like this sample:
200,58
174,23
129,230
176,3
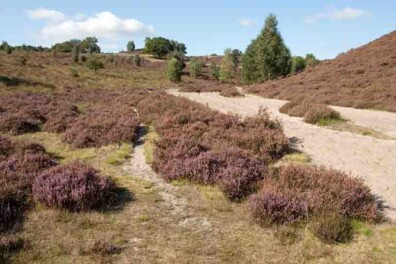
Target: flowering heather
75,187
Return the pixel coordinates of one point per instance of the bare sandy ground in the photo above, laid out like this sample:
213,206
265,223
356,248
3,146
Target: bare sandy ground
372,159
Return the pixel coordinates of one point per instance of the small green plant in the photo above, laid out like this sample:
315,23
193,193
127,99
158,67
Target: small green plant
94,64
130,46
174,70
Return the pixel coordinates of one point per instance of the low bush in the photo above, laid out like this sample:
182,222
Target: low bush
321,114
8,245
94,64
232,92
18,169
312,113
320,189
174,70
275,207
75,187
332,228
195,67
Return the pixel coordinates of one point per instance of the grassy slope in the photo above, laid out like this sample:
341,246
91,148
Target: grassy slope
145,231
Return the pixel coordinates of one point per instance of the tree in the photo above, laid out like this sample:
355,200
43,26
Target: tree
174,70
227,67
311,60
6,47
90,45
95,64
160,47
267,57
195,67
298,64
236,54
130,46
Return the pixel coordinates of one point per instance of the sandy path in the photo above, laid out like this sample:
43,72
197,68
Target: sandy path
176,203
372,159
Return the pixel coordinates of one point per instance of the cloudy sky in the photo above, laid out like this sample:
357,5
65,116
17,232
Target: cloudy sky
324,28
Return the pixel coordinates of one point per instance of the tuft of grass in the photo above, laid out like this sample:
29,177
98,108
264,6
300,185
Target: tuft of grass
149,145
298,158
120,155
360,227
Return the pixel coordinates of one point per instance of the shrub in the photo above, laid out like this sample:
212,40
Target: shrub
328,189
137,60
333,228
274,207
227,67
311,60
312,113
298,64
75,187
174,70
75,53
231,92
74,73
195,67
321,113
214,71
94,64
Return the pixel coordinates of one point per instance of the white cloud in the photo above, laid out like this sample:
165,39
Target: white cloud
42,13
346,13
246,21
104,25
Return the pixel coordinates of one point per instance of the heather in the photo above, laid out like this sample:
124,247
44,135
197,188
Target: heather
292,193
208,147
312,113
74,186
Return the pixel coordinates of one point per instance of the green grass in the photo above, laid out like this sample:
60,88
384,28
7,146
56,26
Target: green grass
149,145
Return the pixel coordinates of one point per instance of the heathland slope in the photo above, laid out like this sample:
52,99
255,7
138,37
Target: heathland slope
364,77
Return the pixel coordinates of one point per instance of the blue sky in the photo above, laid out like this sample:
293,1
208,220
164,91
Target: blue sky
324,28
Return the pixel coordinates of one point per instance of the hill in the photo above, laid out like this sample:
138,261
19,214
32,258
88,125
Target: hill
364,77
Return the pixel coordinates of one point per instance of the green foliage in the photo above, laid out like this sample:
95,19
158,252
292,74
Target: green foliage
160,47
94,64
298,64
195,67
267,57
227,67
311,60
6,47
236,54
214,70
174,70
131,46
88,45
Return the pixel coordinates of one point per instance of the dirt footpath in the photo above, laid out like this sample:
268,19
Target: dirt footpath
372,159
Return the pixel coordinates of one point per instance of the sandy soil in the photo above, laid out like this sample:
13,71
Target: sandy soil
372,159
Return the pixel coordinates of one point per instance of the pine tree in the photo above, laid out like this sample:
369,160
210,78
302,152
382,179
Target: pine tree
267,57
